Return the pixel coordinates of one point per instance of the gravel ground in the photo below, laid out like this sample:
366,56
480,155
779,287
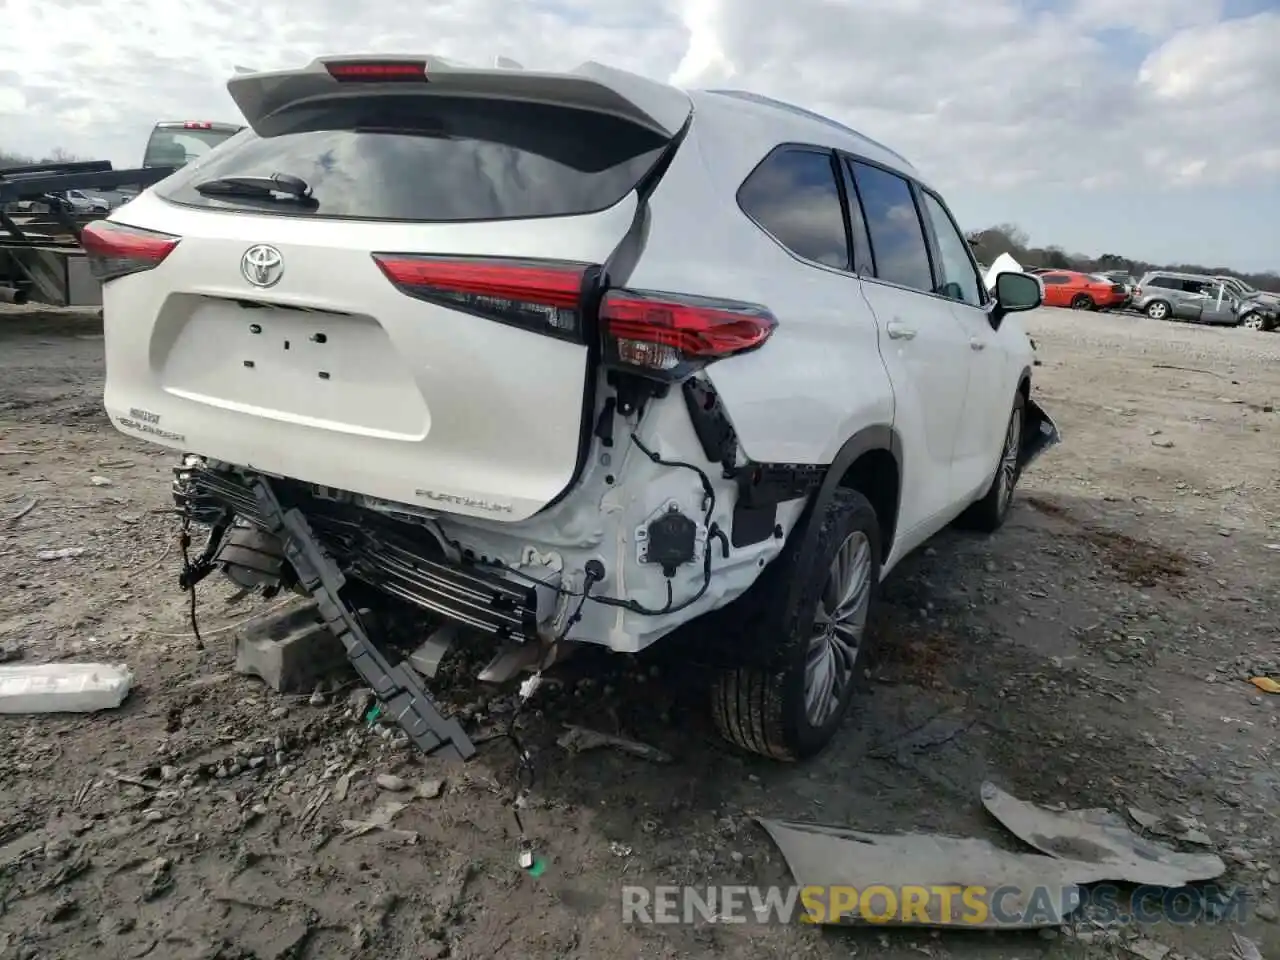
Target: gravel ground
1093,653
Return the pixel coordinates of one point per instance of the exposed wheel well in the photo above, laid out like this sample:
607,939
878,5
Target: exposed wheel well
1024,387
875,475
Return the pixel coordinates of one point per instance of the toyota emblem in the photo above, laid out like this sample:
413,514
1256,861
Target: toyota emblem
262,265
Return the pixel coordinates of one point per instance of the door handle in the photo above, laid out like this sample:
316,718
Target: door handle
897,330
976,344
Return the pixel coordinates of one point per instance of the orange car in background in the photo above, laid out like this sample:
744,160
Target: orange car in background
1081,291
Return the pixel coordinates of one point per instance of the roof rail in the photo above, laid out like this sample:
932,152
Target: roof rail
801,111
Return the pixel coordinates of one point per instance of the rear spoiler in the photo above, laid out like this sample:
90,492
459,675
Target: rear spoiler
592,86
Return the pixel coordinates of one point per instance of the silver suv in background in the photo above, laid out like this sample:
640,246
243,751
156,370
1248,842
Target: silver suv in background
1166,295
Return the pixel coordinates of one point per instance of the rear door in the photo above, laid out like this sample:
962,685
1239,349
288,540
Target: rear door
925,348
413,328
1189,298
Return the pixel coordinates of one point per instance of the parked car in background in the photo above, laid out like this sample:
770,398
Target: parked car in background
1117,286
1165,295
1125,279
79,202
1260,309
175,143
1080,291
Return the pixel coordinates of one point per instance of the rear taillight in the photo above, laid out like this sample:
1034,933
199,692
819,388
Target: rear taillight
1137,292
378,71
666,336
661,336
114,250
545,296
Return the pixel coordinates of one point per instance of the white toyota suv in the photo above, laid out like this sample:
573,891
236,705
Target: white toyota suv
567,357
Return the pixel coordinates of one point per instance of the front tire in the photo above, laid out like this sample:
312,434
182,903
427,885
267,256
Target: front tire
1082,301
807,614
1254,321
988,514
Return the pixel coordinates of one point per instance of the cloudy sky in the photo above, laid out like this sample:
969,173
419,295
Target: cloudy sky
1144,127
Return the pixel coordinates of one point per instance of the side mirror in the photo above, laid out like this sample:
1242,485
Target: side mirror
1015,292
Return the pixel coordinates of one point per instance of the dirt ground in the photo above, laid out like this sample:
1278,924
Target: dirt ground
1093,653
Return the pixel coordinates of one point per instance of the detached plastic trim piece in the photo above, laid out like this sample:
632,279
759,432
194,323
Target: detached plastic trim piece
398,688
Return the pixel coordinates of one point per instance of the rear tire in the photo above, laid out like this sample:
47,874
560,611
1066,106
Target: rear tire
807,615
1158,310
988,514
1082,301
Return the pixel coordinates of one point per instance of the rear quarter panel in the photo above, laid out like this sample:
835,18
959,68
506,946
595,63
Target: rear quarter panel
820,377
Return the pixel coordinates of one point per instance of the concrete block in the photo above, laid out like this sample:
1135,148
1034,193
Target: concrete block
290,650
426,659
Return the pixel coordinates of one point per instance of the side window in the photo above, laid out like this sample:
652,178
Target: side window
793,196
959,279
897,236
1054,278
1163,282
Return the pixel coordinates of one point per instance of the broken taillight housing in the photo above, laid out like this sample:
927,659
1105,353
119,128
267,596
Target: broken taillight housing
667,337
114,250
543,296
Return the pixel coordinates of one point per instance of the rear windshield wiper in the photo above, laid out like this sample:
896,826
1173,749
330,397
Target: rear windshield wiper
278,186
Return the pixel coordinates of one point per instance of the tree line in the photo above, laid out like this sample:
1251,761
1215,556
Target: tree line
1007,238
59,155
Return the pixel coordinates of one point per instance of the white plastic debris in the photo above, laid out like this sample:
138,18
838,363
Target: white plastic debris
63,687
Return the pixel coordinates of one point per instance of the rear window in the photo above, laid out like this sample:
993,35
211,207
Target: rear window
177,146
426,158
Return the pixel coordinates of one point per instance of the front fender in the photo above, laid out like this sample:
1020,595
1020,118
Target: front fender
1038,435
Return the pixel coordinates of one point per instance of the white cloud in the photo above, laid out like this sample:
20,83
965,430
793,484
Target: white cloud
1154,18
988,93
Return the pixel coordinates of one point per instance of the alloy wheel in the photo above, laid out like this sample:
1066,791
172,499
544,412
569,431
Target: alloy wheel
838,627
1009,459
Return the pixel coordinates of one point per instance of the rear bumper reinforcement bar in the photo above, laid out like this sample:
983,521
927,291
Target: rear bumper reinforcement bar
397,688
466,594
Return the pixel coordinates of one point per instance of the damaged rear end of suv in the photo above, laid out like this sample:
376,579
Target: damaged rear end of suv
386,329
564,358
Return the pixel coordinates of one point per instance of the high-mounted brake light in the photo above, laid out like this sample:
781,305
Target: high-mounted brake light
198,125
377,71
667,337
114,250
544,296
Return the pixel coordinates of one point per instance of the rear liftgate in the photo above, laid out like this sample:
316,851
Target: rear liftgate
397,688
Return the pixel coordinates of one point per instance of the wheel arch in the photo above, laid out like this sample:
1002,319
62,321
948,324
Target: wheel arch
870,461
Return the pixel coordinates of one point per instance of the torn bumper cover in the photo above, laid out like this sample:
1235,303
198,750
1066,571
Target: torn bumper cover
1038,435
